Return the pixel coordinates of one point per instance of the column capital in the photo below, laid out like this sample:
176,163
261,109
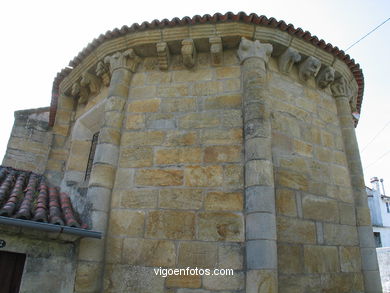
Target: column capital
127,60
340,88
254,49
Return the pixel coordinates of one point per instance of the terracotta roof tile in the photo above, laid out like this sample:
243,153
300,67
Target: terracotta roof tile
26,195
216,18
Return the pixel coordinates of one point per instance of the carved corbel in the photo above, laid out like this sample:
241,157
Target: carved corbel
80,92
127,60
216,50
309,68
188,52
287,60
163,55
325,77
340,88
249,49
91,82
103,72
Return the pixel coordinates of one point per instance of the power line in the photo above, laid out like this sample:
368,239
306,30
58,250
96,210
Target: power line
376,135
367,34
385,154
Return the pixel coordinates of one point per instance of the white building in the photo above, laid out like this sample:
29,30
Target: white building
379,205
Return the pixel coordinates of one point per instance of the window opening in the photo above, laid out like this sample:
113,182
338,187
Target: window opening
91,156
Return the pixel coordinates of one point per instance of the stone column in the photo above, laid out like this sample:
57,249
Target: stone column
261,255
370,269
89,275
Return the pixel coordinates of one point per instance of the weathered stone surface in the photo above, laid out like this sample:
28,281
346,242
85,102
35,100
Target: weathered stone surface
136,157
147,138
181,198
181,104
292,179
88,272
159,177
231,256
224,201
347,214
184,281
102,175
299,283
234,282
223,102
259,172
290,259
198,254
149,252
222,154
320,208
221,226
133,226
350,259
295,230
178,155
233,175
286,202
197,75
335,234
221,136
203,176
135,121
171,225
199,120
321,259
138,198
181,138
261,281
173,90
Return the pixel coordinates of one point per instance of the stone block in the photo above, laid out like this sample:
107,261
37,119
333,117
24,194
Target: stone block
184,281
135,121
232,101
321,259
335,234
146,138
232,118
295,230
198,254
369,259
110,135
224,201
171,225
261,281
144,106
259,172
221,226
222,154
114,250
299,283
292,179
182,104
347,214
189,76
106,154
139,198
260,226
233,176
102,175
199,120
258,148
181,138
320,208
228,72
149,252
340,175
261,254
178,155
91,249
232,85
233,282
113,119
143,92
260,199
290,259
206,88
286,202
87,275
303,148
124,178
350,259
159,177
231,256
181,198
133,226
203,176
221,136
136,157
173,90
158,77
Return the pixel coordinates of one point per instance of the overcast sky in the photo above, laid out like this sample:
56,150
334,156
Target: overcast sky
39,38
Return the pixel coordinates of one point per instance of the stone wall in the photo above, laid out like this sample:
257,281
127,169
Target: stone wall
30,141
179,182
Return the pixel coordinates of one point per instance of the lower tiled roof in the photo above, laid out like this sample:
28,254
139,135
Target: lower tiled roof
26,195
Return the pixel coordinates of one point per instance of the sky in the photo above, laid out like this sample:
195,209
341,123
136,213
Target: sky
40,37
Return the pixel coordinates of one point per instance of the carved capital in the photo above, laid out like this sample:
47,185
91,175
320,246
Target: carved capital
249,49
163,55
103,72
127,60
216,50
340,88
86,87
325,77
188,52
287,60
309,68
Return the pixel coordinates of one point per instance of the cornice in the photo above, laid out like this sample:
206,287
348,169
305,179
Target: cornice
146,40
